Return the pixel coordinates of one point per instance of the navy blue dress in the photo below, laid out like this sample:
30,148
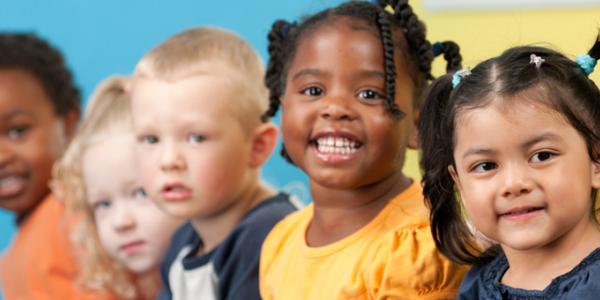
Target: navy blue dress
581,283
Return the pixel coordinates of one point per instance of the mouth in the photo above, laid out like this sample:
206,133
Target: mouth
522,213
12,185
175,191
132,247
334,146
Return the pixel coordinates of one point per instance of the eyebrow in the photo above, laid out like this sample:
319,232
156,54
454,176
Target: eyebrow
305,72
317,72
14,113
546,136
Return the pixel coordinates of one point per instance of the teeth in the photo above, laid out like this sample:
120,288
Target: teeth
336,145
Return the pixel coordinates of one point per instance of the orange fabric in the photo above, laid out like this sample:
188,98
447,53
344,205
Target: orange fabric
40,262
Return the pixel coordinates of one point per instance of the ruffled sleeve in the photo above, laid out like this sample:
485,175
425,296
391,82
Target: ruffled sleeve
408,266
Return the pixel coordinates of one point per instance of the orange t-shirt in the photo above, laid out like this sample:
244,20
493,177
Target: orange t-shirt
40,263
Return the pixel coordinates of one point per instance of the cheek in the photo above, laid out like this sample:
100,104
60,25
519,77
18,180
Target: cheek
106,236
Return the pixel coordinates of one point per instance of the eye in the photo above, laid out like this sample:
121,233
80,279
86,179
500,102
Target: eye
17,132
484,167
101,204
369,95
148,139
139,193
196,138
541,156
312,91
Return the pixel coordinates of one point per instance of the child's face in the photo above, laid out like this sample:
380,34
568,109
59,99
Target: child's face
334,122
524,174
132,229
32,137
193,150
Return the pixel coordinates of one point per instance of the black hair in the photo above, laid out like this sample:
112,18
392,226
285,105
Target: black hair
558,81
285,37
31,53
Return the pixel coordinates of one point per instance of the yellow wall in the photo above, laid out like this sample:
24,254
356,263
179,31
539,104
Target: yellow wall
482,34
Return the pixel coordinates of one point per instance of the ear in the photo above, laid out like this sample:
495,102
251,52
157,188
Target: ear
263,142
413,135
455,177
595,174
71,119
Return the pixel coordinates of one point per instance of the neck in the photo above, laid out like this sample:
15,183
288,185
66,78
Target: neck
148,285
340,212
535,269
215,228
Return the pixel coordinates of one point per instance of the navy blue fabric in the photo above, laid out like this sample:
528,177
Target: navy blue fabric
236,259
581,283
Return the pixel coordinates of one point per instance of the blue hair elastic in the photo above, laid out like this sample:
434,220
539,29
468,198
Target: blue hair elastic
437,48
459,75
586,63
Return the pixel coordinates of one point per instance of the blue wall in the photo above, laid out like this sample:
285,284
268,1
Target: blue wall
100,38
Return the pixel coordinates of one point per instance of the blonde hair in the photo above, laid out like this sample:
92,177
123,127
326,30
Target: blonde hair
207,50
108,112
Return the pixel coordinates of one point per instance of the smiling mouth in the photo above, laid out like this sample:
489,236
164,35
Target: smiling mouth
522,212
336,145
12,185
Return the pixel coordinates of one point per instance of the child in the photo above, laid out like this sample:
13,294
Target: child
348,80
519,138
197,103
39,109
122,235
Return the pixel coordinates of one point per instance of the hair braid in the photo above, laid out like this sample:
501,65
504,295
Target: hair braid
274,77
451,52
390,67
415,35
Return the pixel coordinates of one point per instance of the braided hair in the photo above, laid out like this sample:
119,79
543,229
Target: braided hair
31,53
284,38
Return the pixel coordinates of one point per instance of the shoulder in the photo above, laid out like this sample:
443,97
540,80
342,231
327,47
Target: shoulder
406,253
248,236
268,212
480,281
183,237
412,265
288,227
583,282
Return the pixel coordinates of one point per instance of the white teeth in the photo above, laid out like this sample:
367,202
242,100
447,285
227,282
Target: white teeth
336,145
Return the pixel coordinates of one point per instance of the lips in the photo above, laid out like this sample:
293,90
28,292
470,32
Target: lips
132,247
12,185
175,192
522,213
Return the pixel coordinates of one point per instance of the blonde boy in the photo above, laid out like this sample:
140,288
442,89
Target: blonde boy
197,102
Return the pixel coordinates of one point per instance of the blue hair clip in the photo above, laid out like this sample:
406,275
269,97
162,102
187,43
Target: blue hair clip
586,63
459,75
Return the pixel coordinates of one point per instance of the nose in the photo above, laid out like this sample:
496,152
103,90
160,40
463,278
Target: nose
171,158
337,108
517,181
122,217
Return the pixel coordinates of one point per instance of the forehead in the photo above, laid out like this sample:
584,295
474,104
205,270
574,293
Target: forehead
501,120
341,39
200,96
20,90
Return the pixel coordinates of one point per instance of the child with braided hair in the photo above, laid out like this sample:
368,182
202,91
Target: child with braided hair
518,137
348,80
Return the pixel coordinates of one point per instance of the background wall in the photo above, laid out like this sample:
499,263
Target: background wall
101,38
